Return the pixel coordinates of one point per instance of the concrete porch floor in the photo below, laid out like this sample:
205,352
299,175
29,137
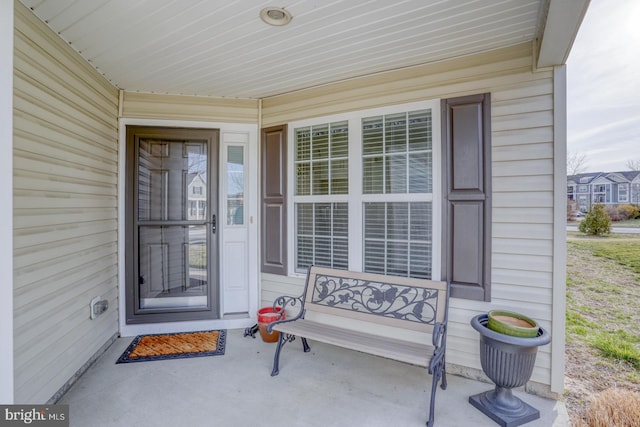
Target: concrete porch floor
327,387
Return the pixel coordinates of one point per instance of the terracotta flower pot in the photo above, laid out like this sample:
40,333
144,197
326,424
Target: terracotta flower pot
268,315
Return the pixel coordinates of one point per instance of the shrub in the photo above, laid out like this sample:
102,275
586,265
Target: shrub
614,408
629,211
614,213
596,222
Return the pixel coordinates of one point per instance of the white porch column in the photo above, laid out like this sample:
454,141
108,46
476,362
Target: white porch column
6,201
559,228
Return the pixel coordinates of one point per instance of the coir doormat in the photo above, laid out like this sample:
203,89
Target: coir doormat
145,348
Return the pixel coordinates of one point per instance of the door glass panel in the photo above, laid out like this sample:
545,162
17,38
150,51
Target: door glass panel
172,224
235,185
173,267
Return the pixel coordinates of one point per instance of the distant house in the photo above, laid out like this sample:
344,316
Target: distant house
608,188
197,200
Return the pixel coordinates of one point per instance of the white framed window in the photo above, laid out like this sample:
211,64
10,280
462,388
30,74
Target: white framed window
623,193
366,191
321,164
601,193
202,209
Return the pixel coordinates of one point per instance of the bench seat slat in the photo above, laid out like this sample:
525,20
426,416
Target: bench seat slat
404,351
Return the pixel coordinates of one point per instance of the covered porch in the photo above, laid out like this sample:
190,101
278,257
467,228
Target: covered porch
329,386
67,200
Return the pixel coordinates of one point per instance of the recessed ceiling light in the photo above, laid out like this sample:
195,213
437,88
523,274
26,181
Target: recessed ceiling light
277,16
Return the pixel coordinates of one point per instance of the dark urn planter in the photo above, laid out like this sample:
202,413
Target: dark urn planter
508,361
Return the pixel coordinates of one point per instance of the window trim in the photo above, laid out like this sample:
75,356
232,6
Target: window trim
626,195
601,190
356,197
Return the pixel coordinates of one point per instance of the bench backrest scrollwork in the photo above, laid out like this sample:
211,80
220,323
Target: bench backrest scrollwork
389,300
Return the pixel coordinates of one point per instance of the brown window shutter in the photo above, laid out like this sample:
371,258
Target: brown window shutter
274,200
466,139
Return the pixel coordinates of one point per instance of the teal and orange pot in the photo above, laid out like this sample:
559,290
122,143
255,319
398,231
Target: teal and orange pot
512,323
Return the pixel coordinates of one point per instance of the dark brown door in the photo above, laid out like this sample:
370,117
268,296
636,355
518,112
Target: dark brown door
171,227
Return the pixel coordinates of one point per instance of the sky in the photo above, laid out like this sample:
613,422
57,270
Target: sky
603,86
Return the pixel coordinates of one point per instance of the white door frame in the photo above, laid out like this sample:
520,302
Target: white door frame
228,320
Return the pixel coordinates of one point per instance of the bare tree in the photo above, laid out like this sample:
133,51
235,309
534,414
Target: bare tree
576,163
633,165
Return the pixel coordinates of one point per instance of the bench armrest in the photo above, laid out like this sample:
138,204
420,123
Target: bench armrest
439,333
439,342
292,306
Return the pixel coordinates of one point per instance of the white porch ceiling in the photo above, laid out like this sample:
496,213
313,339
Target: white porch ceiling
222,48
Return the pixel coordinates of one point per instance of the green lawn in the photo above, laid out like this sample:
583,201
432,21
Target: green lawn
623,249
627,223
603,295
603,314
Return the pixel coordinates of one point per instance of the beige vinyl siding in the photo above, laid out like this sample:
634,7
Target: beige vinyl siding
65,210
274,286
522,176
175,107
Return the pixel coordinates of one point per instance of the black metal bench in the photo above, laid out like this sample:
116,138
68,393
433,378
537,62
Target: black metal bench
340,307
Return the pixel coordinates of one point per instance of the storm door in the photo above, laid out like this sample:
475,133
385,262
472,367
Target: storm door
171,228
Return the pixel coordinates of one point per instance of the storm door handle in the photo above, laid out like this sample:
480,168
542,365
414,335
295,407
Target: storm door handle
214,224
